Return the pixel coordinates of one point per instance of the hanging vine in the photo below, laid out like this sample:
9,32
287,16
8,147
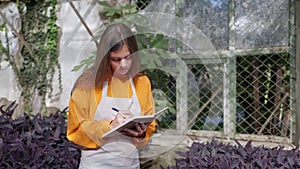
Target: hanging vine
38,50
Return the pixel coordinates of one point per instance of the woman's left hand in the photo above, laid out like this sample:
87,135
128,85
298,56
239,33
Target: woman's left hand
139,132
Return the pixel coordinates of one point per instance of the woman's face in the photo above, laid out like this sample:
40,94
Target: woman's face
121,61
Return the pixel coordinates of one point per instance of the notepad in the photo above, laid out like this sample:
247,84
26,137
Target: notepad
131,123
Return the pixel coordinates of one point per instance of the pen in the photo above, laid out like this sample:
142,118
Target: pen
117,110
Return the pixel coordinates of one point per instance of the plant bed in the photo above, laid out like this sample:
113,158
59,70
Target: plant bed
35,141
216,155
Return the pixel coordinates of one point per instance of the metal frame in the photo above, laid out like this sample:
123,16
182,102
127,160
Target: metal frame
229,92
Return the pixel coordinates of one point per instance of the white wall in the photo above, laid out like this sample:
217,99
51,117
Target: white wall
75,43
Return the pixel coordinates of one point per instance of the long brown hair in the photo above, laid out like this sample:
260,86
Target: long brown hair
114,37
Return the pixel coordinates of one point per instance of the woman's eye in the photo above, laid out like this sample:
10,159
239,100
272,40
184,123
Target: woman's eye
116,59
119,59
128,57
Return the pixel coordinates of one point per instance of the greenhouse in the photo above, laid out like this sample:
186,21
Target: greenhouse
228,71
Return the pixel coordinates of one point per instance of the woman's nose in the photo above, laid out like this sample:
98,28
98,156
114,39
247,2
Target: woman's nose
123,63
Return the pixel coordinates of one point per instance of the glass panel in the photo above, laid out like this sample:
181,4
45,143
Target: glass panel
261,23
211,17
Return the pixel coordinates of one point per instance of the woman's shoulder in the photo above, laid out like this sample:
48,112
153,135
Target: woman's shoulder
142,78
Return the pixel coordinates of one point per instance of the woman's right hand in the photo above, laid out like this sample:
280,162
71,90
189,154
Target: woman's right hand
121,117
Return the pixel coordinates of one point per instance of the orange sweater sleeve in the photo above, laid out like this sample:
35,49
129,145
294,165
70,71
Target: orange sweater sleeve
82,129
144,92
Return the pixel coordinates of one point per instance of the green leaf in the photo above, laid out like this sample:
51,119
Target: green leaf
2,27
85,64
76,68
104,3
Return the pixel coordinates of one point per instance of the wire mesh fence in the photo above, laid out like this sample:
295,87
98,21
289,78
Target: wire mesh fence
251,86
263,84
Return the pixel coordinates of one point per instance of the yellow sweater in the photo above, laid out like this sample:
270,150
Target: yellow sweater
84,131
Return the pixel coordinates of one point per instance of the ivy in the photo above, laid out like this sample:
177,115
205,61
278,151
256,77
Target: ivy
35,73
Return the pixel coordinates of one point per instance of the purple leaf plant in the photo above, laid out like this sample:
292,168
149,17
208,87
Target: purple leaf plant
35,141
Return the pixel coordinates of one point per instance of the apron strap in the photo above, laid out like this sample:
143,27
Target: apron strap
132,87
104,89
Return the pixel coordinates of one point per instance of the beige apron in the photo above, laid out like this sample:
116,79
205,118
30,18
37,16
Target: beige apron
118,152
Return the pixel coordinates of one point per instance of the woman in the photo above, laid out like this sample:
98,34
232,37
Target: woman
104,97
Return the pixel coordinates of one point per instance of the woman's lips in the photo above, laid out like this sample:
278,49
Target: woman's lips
122,71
